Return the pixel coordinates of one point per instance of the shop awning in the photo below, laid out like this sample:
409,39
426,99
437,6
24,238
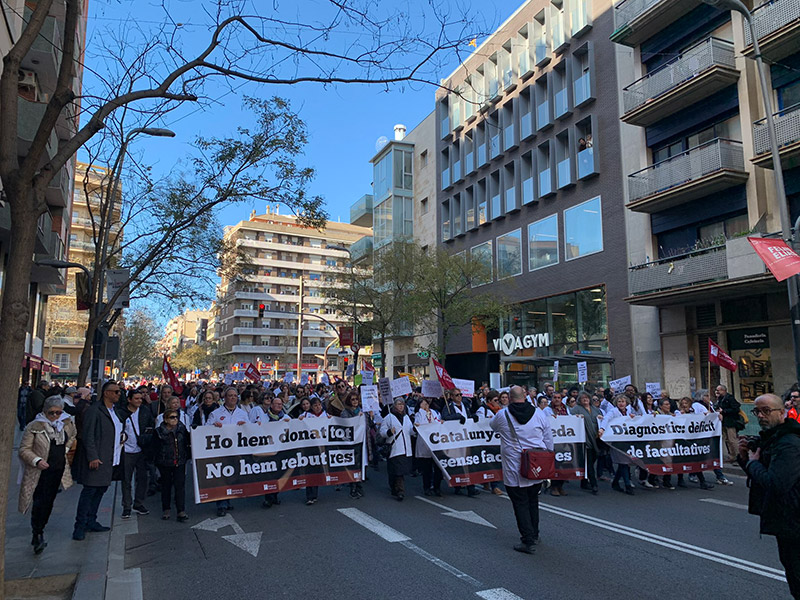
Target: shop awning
563,359
37,363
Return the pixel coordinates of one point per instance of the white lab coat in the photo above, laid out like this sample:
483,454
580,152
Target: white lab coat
421,418
536,433
401,439
223,416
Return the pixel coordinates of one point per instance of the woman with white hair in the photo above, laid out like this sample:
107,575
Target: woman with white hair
43,451
396,428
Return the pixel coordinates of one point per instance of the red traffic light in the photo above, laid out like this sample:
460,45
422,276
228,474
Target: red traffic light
262,306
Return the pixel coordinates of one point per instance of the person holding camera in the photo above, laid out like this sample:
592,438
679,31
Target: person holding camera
772,464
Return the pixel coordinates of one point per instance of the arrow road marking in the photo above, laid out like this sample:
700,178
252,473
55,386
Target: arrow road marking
464,515
249,542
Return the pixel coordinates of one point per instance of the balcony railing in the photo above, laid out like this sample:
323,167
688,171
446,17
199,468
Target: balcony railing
772,16
361,248
787,129
694,61
700,266
716,155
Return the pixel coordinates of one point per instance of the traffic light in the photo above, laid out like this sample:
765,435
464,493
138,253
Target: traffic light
346,361
261,308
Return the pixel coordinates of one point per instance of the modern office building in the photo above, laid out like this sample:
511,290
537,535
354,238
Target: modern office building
291,265
529,172
698,180
37,82
399,208
66,325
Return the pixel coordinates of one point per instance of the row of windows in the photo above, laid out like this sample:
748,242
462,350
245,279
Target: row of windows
555,164
583,235
549,32
536,109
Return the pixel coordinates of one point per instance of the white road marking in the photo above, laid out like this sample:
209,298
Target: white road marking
497,594
724,503
465,515
377,527
249,542
392,535
658,540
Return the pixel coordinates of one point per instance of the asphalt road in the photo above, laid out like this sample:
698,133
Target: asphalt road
657,544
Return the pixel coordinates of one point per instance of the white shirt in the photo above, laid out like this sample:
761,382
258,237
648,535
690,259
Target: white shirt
699,408
117,436
310,415
423,418
132,433
536,433
223,416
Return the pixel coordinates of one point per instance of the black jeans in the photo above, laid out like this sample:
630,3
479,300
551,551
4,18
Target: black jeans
790,559
43,497
431,474
312,492
525,501
173,477
88,503
591,466
134,464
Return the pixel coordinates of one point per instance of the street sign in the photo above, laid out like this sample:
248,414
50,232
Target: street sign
345,336
117,279
423,354
355,348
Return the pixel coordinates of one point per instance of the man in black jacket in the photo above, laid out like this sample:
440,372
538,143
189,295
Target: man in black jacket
774,472
455,409
728,406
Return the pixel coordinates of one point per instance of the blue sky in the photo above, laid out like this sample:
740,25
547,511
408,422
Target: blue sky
343,121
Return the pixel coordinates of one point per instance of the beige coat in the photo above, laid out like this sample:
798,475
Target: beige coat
36,444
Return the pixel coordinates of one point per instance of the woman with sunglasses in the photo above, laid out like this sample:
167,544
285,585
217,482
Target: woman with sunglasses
171,449
43,451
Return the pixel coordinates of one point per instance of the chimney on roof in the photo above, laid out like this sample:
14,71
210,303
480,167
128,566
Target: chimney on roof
399,132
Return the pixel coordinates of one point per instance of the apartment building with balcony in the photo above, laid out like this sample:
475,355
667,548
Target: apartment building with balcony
37,81
400,208
66,325
187,329
282,252
697,165
528,154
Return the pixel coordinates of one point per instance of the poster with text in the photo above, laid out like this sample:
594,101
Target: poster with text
569,446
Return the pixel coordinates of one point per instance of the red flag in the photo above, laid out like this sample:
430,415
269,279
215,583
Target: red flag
444,378
252,372
366,365
717,357
170,377
780,259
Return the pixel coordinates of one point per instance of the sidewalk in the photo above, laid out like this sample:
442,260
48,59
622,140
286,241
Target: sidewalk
66,569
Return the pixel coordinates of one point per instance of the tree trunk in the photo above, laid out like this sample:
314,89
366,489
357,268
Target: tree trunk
14,318
86,353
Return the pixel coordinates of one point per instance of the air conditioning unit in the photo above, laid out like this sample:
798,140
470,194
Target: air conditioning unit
28,84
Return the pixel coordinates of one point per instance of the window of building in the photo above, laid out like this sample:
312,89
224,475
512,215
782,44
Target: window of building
585,148
788,95
423,159
509,254
544,111
480,201
403,169
543,243
61,361
724,230
522,46
527,178
382,176
246,324
580,16
544,166
583,229
557,25
469,209
495,195
541,39
315,276
509,189
446,234
445,162
564,163
495,134
729,129
582,84
457,220
482,254
331,262
561,90
423,206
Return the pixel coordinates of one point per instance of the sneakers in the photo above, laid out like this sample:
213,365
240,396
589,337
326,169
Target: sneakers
647,485
693,479
724,481
497,492
668,486
182,517
221,512
126,513
141,510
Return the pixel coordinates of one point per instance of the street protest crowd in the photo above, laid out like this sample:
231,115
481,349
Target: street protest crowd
141,435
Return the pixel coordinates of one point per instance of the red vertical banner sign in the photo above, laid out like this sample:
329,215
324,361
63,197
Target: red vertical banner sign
170,377
717,357
444,377
252,372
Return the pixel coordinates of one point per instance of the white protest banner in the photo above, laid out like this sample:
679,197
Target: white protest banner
385,390
367,376
252,459
230,378
654,389
348,372
583,372
289,377
569,445
555,371
618,385
665,444
431,388
494,380
401,386
370,399
467,387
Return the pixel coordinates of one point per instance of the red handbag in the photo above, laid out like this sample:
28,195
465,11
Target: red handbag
535,464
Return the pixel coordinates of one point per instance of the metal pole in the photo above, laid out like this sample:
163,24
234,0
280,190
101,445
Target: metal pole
353,289
300,333
780,191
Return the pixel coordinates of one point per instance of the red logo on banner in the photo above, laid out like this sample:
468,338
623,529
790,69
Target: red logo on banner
252,372
170,377
780,259
444,378
717,357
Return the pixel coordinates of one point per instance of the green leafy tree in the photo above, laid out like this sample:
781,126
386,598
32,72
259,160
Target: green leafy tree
190,358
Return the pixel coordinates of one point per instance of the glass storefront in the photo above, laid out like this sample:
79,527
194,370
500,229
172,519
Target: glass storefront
751,351
569,328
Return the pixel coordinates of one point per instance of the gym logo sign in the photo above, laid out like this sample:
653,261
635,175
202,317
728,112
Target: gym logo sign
510,343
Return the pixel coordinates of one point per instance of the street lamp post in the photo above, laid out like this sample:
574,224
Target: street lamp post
787,233
116,174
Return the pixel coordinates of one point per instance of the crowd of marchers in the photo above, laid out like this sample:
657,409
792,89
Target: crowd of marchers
139,435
